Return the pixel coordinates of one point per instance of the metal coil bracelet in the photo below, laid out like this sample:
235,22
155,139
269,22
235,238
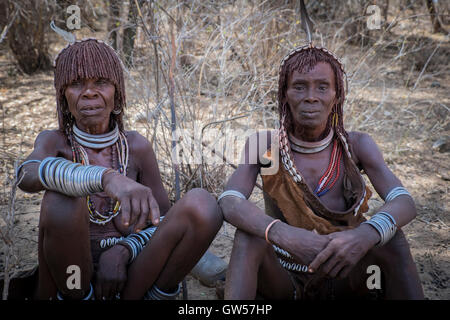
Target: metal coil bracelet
395,192
385,224
69,178
136,242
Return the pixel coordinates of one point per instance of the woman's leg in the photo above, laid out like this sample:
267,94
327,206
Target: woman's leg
179,242
63,242
254,268
398,272
399,269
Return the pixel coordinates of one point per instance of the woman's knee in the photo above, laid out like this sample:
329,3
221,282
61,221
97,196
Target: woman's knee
201,208
396,251
61,212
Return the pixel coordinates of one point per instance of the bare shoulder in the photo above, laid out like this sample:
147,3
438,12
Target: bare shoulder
137,142
54,138
357,138
140,148
365,149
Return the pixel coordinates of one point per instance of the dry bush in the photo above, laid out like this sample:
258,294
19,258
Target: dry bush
227,56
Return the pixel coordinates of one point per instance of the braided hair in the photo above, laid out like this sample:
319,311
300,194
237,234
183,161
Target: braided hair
303,60
87,59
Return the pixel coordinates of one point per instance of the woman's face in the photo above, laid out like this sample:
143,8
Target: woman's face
91,102
311,96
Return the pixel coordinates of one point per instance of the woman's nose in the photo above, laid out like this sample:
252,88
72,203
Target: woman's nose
90,90
310,95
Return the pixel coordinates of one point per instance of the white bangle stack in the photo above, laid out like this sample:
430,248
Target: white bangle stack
69,178
233,193
135,242
385,225
395,192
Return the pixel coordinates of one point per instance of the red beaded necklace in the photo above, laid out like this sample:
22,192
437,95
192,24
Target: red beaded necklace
329,178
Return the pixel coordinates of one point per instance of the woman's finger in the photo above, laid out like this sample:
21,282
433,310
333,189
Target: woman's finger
142,222
154,210
338,267
321,258
135,211
125,211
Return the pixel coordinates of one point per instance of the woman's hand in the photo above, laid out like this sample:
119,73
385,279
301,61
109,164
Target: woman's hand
111,275
138,205
344,251
302,244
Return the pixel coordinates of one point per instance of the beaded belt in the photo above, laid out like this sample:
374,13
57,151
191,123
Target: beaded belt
291,266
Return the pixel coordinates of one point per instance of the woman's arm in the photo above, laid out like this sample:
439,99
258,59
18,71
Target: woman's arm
382,178
346,248
248,217
148,170
47,144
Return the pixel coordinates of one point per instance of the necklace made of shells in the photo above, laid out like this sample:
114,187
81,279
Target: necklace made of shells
328,179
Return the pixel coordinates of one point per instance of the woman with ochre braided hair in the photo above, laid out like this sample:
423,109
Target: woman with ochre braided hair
314,242
105,211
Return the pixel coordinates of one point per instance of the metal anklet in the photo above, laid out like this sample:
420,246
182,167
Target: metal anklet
156,294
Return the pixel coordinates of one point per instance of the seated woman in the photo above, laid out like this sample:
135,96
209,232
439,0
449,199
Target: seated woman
314,242
105,212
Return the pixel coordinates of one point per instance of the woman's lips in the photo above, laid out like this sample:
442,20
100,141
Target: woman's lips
309,114
91,110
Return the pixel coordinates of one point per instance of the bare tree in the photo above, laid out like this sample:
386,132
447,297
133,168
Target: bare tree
434,15
27,33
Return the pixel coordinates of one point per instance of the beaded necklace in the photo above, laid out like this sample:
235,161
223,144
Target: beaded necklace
120,155
328,179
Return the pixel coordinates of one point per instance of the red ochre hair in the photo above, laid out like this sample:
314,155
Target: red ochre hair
87,59
303,61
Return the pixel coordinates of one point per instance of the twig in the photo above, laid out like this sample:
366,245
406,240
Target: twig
426,64
152,39
427,222
172,110
7,236
6,28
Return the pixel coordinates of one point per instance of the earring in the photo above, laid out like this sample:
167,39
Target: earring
117,112
335,118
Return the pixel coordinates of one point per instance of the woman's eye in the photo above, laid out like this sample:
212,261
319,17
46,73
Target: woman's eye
322,88
75,83
102,81
300,88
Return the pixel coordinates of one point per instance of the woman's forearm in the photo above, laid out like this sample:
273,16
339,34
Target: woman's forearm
245,215
248,217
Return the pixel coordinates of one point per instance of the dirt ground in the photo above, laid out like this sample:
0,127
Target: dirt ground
406,138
